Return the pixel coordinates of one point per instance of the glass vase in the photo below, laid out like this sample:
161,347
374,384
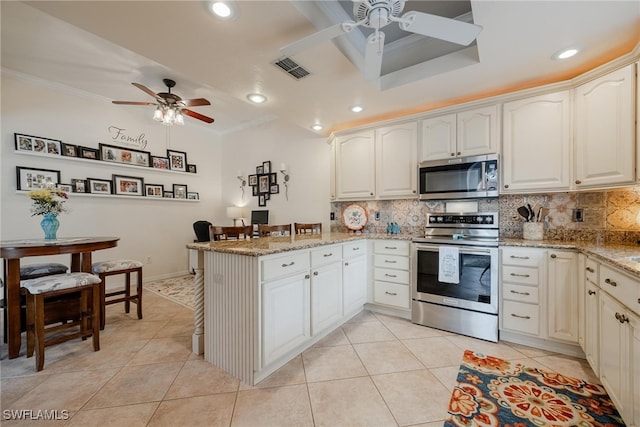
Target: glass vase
50,226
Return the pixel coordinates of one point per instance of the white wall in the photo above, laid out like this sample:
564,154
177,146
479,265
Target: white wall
307,158
159,229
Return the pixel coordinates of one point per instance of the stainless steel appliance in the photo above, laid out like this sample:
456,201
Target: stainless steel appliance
464,177
469,307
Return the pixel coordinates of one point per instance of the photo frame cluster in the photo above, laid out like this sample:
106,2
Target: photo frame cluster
264,183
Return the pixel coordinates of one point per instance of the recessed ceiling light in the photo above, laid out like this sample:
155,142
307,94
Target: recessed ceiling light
565,53
317,127
256,98
356,108
223,9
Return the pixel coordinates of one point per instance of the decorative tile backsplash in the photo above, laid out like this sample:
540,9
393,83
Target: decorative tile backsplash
611,216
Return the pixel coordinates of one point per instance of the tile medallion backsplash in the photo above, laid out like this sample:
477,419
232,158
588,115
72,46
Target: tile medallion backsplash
611,216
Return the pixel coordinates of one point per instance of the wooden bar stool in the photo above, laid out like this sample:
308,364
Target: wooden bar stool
40,291
111,268
312,228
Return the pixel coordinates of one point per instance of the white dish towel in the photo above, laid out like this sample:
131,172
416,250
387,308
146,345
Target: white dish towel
449,271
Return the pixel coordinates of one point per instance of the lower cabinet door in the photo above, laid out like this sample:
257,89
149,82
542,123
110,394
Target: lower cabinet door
285,316
326,296
592,327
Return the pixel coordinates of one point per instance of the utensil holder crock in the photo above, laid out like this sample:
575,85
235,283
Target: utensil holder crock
533,230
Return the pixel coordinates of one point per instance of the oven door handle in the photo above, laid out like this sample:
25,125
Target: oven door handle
465,250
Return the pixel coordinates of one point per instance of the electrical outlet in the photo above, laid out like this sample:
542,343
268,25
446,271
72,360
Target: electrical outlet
332,216
577,215
377,216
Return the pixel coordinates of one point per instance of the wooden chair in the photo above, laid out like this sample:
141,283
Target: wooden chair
42,291
230,233
313,228
111,268
274,230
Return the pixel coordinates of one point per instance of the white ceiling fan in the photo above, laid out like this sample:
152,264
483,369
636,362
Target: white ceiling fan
376,14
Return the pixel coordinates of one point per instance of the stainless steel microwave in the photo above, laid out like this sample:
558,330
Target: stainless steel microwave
459,178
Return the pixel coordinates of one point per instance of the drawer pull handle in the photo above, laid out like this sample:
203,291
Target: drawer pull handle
519,293
346,264
391,293
390,275
520,317
621,318
357,248
390,247
328,255
553,255
390,261
519,257
590,270
519,275
288,265
592,292
610,282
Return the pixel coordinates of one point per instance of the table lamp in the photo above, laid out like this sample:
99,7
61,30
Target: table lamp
235,213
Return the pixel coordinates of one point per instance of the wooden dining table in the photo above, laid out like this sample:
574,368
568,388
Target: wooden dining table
12,251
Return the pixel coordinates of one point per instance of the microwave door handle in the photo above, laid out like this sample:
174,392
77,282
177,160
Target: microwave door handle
483,179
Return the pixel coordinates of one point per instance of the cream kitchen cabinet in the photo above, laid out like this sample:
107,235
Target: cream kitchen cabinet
466,133
536,143
326,287
355,166
354,276
391,274
397,160
562,296
605,130
591,318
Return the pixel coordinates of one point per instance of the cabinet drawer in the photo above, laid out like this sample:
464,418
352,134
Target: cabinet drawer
354,248
391,247
389,275
528,294
621,287
521,257
391,294
282,266
521,317
326,255
591,270
391,261
521,275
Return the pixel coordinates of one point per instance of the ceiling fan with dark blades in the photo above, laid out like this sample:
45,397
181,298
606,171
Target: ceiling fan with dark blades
169,106
376,14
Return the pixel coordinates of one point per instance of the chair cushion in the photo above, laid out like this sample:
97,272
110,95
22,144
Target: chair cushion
59,281
121,264
36,270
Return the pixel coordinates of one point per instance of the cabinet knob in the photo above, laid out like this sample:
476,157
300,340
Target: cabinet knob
414,191
590,270
315,273
610,282
453,154
306,276
621,318
371,194
553,255
578,182
458,153
346,264
506,186
591,292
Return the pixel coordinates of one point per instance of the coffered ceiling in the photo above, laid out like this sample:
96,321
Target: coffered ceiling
100,47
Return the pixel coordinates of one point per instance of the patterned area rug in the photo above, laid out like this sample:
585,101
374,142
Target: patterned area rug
177,289
493,392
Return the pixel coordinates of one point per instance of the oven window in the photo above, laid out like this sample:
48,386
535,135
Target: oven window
475,277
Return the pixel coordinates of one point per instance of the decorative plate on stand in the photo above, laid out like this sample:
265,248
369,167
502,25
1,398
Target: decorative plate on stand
354,217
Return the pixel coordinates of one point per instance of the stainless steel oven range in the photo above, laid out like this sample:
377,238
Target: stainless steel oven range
468,304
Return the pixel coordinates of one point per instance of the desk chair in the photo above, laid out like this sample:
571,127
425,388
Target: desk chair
201,228
274,230
312,228
231,233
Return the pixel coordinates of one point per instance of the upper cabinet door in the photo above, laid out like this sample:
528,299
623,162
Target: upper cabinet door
605,130
438,138
397,160
355,166
536,141
478,131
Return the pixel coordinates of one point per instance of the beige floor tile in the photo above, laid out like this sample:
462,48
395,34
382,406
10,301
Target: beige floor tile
336,337
110,355
178,328
14,388
210,411
160,350
348,402
499,349
528,351
277,406
435,352
199,378
290,374
137,330
569,366
363,316
128,415
136,384
413,397
367,332
447,375
330,363
386,356
404,329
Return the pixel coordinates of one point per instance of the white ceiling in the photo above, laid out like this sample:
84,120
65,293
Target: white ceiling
100,47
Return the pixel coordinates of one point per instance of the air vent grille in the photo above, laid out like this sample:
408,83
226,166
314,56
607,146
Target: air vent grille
292,68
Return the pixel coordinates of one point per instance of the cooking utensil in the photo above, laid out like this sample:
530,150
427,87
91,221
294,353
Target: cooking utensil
524,212
531,214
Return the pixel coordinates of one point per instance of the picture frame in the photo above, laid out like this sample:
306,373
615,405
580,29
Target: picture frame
274,189
158,162
99,186
259,170
128,185
69,150
263,184
167,195
32,178
266,166
261,200
191,195
179,191
267,196
154,190
191,169
37,144
273,178
88,153
64,187
79,185
177,161
128,156
254,191
253,180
